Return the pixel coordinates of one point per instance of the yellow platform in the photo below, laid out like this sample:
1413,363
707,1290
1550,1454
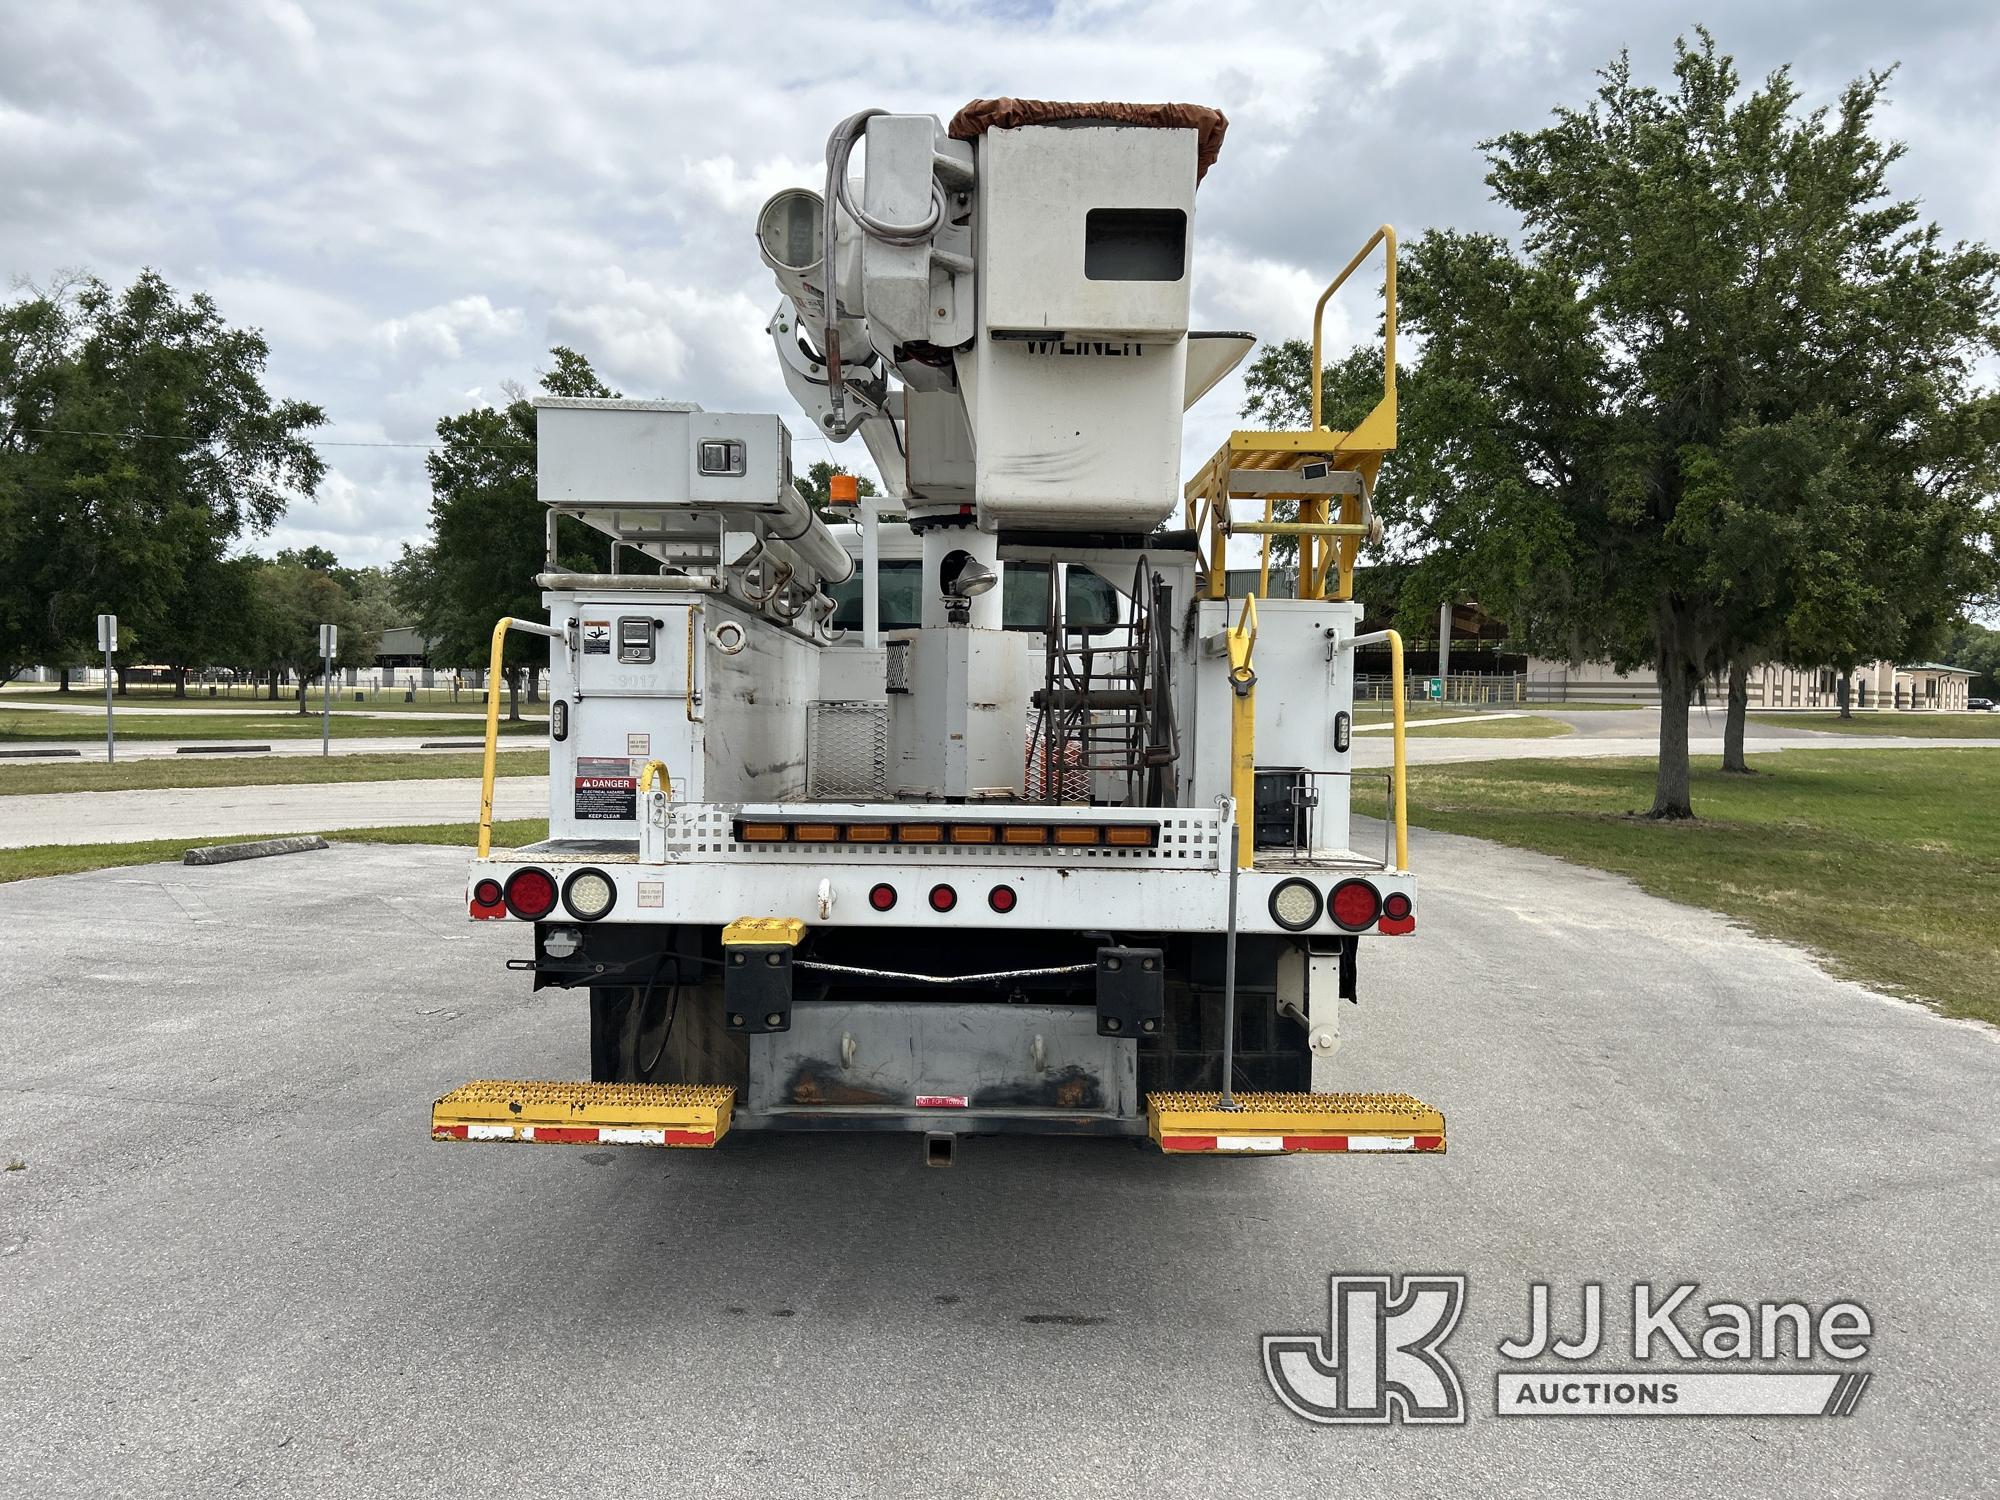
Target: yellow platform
1277,1123
584,1114
1322,479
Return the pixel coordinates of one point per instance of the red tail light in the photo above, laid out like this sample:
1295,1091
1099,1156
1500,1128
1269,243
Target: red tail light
882,897
531,894
487,901
1002,898
1355,904
943,898
1396,905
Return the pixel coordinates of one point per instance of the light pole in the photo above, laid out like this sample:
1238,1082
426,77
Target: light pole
329,639
1444,648
107,642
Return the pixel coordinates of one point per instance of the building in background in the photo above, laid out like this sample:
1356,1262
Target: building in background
1924,687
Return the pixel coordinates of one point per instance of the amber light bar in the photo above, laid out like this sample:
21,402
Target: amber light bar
1066,835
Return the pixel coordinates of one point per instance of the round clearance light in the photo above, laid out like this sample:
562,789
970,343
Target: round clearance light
589,894
1396,905
882,897
943,898
1002,898
486,893
531,894
1295,904
1355,905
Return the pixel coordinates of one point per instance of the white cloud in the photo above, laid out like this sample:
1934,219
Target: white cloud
739,193
416,199
442,332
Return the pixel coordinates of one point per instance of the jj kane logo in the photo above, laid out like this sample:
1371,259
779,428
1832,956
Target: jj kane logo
1382,1357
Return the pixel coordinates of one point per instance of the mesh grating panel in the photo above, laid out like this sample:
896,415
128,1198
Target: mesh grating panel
847,750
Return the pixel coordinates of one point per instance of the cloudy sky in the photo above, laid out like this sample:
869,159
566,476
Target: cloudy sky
414,201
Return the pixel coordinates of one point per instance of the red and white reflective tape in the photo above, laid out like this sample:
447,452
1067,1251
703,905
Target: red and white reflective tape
575,1135
1301,1142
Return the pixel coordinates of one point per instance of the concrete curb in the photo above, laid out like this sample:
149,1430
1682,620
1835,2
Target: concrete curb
222,854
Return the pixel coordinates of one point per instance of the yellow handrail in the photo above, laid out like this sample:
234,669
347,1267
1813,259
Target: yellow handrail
656,767
1398,791
1396,713
1242,640
1299,528
492,736
1386,235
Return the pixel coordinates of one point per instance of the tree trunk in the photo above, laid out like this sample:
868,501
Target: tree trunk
534,682
304,683
120,671
1671,798
1733,721
513,695
62,681
274,684
1843,691
180,682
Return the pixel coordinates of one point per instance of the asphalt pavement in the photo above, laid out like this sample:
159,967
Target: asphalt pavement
473,707
92,751
208,813
235,1263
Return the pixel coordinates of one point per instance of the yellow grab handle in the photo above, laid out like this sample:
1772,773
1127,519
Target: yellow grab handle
656,768
492,736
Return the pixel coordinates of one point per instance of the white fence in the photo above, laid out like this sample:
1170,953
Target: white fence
1473,689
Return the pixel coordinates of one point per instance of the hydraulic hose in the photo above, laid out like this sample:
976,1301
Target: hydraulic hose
839,146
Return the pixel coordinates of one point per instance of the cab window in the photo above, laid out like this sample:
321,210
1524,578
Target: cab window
1089,603
901,592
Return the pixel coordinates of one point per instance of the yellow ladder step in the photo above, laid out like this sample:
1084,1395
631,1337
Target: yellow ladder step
584,1114
1276,1123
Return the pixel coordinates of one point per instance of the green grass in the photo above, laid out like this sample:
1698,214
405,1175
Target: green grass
68,859
1886,862
1966,726
229,770
1478,723
31,726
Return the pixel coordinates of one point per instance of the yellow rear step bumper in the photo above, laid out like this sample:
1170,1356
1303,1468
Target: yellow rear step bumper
584,1114
1279,1123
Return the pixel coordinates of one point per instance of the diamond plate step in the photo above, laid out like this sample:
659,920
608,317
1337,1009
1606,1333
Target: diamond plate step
584,1114
1279,1123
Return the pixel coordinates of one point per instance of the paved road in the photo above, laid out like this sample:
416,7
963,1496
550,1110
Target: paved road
217,812
59,751
236,1264
471,709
